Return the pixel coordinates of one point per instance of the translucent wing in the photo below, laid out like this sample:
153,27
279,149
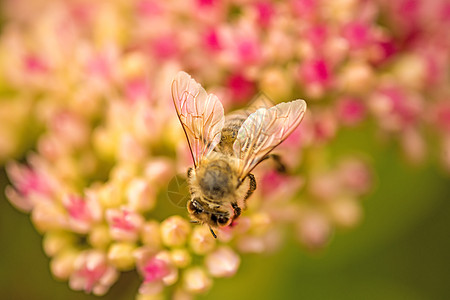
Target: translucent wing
200,114
264,130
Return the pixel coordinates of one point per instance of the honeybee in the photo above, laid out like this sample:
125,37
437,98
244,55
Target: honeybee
225,149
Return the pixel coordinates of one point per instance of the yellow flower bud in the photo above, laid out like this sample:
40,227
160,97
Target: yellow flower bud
175,231
62,265
202,240
99,236
150,234
196,281
180,258
121,255
56,241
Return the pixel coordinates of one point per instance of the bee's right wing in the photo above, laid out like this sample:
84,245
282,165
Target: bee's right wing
200,114
263,131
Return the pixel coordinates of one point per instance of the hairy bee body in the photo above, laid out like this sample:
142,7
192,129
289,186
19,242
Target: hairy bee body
217,195
229,132
225,149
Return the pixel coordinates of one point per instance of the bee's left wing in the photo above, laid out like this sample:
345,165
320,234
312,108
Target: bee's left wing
264,130
200,114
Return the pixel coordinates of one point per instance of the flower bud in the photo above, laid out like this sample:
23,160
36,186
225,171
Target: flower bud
159,170
410,70
150,296
48,216
56,241
180,258
175,231
346,212
99,236
121,255
313,229
202,240
196,281
62,265
356,78
223,262
141,195
110,195
150,234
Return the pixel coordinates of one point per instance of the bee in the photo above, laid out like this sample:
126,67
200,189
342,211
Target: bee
225,149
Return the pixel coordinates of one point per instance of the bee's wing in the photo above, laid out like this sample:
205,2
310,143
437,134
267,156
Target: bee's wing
200,114
264,130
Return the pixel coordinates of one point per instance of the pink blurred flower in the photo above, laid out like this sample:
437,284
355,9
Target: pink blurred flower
212,40
351,111
357,34
156,268
305,9
92,273
31,184
125,225
33,64
165,46
83,212
241,88
317,35
265,12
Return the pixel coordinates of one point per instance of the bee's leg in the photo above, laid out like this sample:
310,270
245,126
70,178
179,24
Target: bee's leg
237,210
189,172
252,187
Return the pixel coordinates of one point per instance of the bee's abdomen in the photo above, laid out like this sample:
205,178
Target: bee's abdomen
229,133
216,180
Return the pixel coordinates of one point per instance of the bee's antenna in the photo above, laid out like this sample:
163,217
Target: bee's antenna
212,232
194,221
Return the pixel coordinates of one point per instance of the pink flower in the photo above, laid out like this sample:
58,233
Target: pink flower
351,111
357,34
30,185
70,128
148,8
440,116
212,40
396,108
355,176
34,64
241,88
223,262
83,213
92,273
124,224
315,72
317,35
165,47
27,181
385,49
155,269
305,9
248,50
137,89
265,11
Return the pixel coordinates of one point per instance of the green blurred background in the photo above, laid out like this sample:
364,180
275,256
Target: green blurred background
401,250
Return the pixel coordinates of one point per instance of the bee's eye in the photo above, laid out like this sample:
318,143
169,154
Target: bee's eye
222,220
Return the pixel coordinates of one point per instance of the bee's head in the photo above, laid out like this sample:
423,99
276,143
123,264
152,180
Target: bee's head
213,217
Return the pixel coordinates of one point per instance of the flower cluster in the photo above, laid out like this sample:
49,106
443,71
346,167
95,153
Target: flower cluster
88,84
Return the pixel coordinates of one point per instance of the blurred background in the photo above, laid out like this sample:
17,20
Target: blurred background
85,109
